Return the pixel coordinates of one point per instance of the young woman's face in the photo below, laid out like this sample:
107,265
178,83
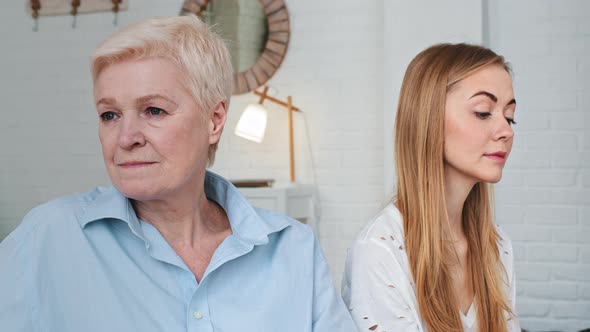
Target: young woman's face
478,117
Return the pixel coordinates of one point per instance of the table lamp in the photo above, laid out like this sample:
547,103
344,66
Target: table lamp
252,123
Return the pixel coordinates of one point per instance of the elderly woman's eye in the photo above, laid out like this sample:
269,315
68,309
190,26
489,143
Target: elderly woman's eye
155,111
108,116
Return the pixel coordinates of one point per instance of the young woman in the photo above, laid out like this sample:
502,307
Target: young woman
433,259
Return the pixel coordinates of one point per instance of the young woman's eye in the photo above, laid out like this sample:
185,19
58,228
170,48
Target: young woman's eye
510,121
483,115
154,111
108,116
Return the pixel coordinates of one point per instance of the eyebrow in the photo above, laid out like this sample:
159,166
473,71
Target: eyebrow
147,98
492,97
108,101
142,100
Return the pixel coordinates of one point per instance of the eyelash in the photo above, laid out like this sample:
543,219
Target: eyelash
152,108
485,115
110,116
104,115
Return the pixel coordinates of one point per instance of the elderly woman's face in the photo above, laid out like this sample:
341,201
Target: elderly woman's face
154,136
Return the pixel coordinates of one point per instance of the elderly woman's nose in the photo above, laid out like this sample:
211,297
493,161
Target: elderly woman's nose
131,134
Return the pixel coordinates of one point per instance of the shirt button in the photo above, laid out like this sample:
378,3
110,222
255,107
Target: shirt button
198,314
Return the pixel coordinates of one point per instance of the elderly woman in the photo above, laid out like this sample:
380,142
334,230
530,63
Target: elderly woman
171,246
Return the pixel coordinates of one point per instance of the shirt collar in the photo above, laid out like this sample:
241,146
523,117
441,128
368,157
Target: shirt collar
108,203
246,223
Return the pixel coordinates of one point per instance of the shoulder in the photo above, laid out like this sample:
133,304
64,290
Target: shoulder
386,228
56,214
379,247
273,217
291,242
377,284
504,243
503,238
286,227
505,250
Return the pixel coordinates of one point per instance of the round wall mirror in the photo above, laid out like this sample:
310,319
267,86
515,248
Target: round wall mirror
257,35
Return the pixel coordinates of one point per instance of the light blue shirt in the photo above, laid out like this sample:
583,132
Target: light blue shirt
87,263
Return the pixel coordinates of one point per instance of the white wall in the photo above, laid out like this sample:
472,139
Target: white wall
333,70
343,68
410,27
48,131
543,200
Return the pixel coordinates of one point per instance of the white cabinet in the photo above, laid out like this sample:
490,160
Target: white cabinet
294,200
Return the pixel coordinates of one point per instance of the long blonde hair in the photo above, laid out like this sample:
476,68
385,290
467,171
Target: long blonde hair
420,195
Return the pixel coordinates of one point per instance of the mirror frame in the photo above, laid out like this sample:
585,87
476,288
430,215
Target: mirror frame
270,60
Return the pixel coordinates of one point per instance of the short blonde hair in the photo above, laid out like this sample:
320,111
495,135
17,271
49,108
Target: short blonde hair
199,53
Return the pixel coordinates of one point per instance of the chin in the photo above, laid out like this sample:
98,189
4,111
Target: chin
136,190
136,194
491,178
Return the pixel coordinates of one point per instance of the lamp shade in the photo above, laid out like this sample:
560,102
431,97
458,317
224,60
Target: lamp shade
252,123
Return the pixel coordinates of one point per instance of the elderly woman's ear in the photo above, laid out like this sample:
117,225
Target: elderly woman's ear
217,121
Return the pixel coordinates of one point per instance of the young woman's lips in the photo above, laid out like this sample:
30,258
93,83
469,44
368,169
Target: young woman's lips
497,156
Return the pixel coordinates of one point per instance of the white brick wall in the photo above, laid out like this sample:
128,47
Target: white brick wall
48,135
544,204
409,27
336,72
333,71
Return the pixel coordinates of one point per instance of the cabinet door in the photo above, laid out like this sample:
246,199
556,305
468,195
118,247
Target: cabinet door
270,199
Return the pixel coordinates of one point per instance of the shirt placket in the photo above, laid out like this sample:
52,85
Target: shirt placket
198,315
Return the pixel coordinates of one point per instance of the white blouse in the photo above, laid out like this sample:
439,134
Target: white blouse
378,287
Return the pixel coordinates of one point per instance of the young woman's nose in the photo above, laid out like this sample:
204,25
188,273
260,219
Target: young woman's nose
502,130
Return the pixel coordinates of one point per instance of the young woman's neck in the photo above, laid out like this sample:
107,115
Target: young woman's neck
457,188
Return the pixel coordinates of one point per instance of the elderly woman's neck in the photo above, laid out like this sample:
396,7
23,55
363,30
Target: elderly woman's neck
184,221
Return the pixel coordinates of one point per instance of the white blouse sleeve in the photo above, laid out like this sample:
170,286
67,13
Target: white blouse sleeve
513,323
373,289
508,252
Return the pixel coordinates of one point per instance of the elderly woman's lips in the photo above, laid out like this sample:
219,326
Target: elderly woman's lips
131,164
